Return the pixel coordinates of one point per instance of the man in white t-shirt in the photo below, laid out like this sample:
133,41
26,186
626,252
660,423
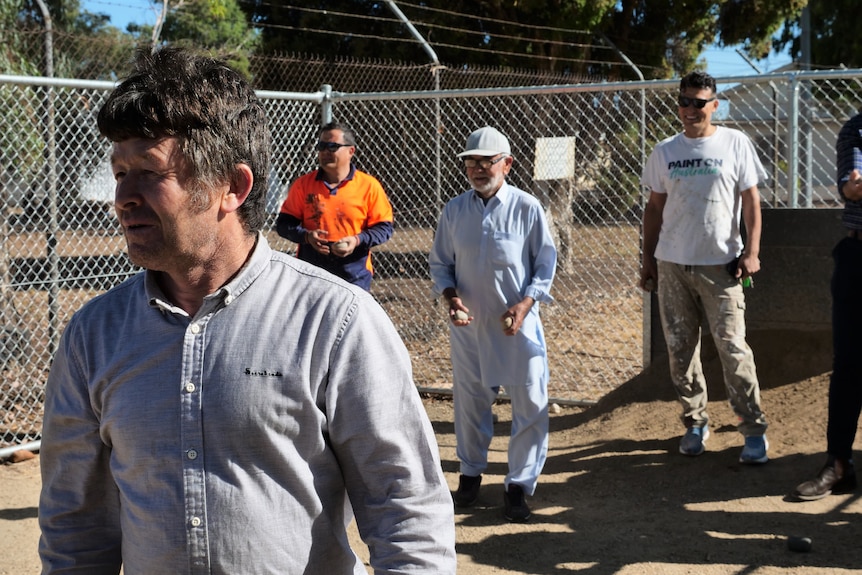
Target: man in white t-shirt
703,184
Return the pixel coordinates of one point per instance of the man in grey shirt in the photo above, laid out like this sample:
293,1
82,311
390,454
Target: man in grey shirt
221,411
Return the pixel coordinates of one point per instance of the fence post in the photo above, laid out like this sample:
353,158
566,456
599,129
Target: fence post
51,167
326,104
793,145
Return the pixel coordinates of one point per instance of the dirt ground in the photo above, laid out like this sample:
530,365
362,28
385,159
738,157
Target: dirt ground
616,497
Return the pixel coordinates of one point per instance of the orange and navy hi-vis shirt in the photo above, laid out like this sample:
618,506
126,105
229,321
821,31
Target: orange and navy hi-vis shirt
357,204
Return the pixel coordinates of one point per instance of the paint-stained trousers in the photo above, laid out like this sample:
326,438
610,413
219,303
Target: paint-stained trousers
687,296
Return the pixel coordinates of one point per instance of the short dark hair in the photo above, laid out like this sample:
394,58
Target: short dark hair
698,80
349,134
212,111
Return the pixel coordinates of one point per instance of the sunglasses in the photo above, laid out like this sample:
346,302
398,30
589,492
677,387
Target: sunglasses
483,163
330,146
685,102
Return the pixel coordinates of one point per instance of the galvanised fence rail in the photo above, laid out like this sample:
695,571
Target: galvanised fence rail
578,147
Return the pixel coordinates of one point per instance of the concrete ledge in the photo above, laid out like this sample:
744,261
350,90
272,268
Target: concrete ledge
792,289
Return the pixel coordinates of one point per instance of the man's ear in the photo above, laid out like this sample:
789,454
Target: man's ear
240,187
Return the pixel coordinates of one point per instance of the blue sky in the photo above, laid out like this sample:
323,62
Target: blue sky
123,11
720,62
727,62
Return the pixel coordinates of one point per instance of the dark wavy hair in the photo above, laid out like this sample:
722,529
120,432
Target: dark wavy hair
212,111
697,80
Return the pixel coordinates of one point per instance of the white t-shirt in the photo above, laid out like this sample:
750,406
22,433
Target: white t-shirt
703,178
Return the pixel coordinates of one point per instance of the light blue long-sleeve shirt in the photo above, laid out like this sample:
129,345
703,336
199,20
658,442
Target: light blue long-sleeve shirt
494,256
229,442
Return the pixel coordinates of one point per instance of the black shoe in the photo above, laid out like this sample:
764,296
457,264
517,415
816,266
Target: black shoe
515,504
837,476
468,490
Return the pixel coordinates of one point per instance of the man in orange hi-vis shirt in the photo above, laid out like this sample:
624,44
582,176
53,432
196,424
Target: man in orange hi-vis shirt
337,213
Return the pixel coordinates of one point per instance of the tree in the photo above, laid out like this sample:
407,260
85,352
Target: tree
85,45
66,16
218,25
662,37
15,56
459,34
688,26
20,149
328,27
22,33
685,32
835,40
34,146
754,24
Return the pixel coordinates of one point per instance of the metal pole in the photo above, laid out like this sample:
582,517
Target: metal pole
648,299
32,446
793,142
51,169
807,111
326,105
413,31
775,128
435,70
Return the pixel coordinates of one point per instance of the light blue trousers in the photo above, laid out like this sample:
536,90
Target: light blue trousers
528,443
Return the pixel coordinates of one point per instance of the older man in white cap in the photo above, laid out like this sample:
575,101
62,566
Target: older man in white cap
493,260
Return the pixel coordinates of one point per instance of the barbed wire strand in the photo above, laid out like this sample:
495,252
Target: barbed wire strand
475,49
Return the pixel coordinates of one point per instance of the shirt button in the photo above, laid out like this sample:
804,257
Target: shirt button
228,299
190,387
192,454
196,521
195,328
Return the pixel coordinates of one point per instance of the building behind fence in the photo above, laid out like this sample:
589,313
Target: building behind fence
578,147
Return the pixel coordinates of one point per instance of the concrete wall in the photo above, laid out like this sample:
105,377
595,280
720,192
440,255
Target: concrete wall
788,310
792,289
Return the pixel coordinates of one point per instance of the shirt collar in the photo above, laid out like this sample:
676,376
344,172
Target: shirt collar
225,294
350,174
502,194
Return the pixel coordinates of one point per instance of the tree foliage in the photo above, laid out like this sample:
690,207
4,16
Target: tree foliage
210,23
83,41
216,25
66,16
460,31
754,23
662,38
76,45
834,34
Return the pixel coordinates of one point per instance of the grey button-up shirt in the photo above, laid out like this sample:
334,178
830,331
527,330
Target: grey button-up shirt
229,442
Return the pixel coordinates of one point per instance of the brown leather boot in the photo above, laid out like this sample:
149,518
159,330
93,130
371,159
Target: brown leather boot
837,476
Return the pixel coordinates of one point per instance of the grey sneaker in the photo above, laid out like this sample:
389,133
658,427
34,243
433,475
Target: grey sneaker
692,442
754,450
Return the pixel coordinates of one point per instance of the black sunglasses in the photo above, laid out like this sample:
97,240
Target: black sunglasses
330,146
685,102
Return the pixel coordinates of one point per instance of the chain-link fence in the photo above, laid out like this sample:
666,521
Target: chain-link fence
579,148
